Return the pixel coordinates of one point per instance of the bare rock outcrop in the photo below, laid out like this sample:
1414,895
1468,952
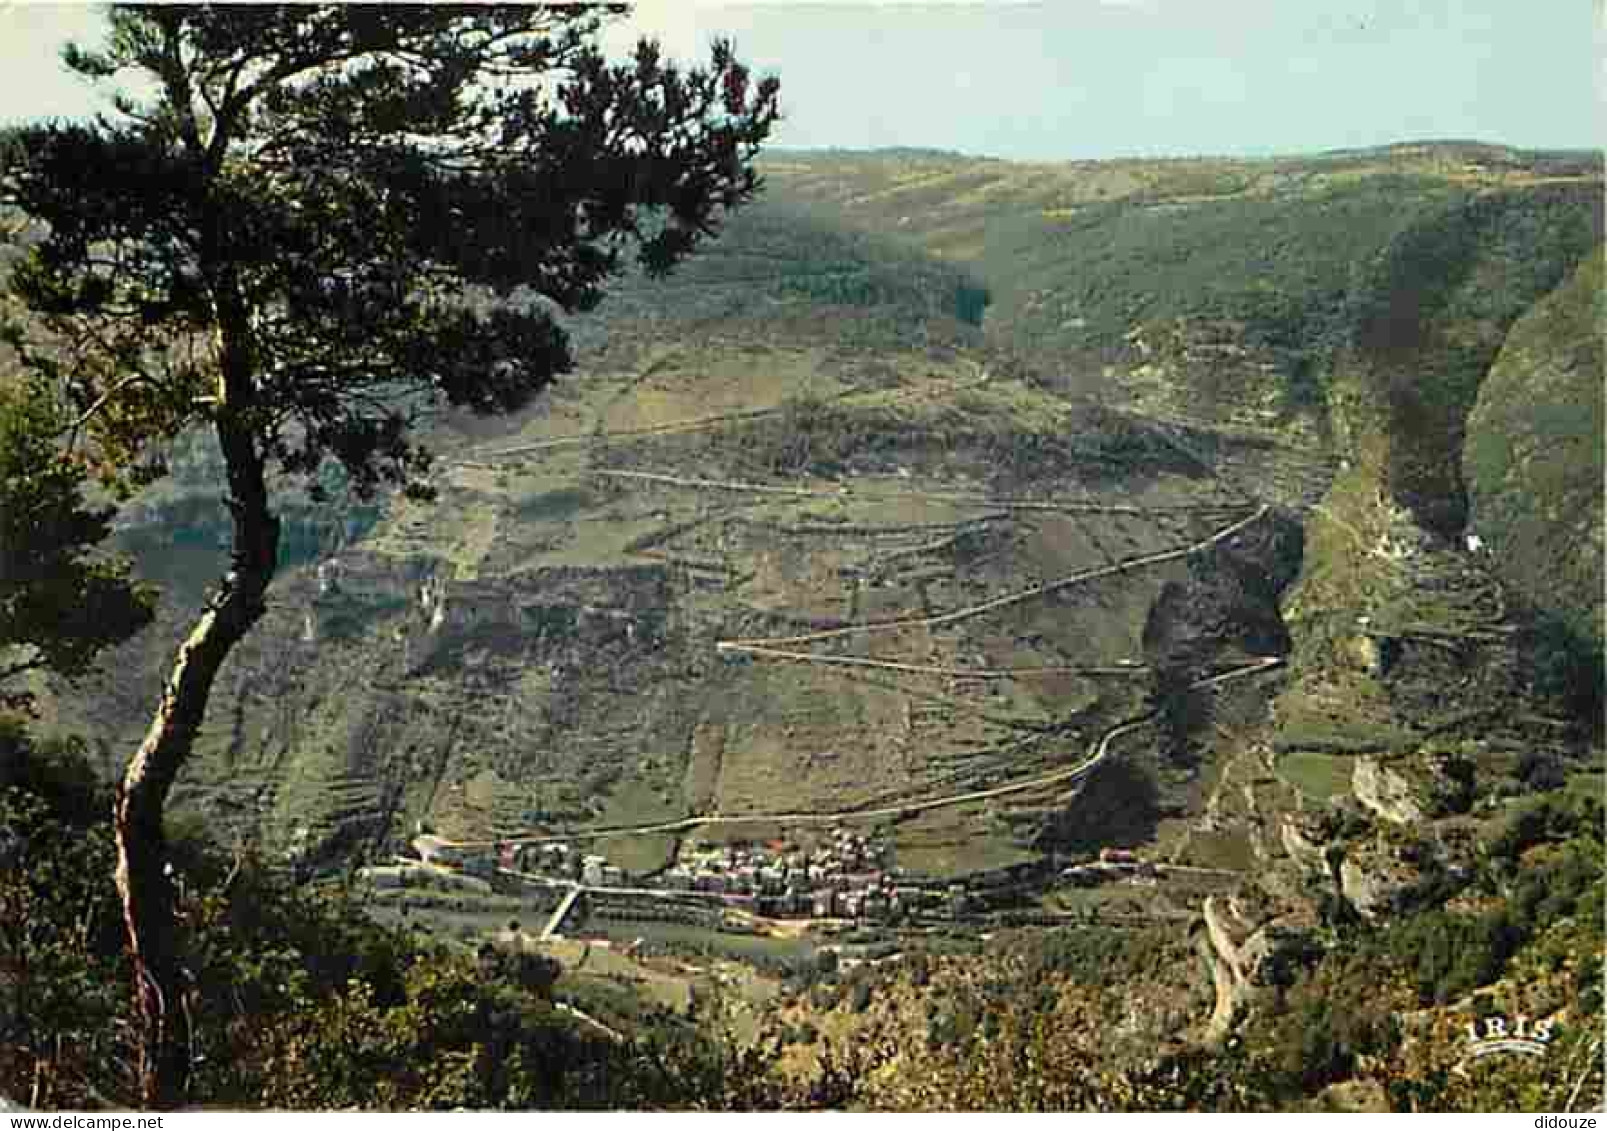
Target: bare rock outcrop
1302,844
1385,793
1373,880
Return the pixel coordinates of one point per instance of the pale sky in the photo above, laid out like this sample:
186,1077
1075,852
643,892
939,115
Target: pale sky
1076,79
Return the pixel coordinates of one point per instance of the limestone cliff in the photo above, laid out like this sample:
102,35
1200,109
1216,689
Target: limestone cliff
1534,460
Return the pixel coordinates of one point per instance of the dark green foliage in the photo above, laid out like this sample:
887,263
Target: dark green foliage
1330,1018
1099,956
299,1002
431,187
1447,954
1550,819
1534,465
1431,309
1282,266
57,770
774,262
1119,805
61,603
1229,603
1336,1016
62,987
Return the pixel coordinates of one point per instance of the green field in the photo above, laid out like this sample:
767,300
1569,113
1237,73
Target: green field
1321,776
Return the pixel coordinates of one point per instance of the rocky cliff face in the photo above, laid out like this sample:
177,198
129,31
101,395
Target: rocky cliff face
1400,623
1534,455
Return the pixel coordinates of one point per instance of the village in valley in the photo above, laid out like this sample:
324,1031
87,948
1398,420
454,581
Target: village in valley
842,876
845,876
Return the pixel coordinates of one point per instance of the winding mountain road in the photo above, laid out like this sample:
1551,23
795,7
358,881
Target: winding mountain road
1097,755
769,648
846,491
956,615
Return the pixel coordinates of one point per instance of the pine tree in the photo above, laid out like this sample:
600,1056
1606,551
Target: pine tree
308,224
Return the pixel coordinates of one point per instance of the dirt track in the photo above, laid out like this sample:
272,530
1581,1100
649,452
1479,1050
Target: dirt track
1099,752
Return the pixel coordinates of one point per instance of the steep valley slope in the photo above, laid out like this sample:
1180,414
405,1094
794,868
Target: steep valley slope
872,443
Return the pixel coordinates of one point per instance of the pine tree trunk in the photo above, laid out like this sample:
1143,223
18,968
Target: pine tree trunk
143,882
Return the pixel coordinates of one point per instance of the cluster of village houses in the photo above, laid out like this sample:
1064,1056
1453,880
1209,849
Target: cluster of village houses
845,877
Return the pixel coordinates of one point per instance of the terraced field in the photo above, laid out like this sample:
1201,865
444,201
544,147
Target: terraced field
640,605
813,531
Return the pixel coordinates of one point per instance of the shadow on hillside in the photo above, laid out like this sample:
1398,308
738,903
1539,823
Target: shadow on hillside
1119,808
